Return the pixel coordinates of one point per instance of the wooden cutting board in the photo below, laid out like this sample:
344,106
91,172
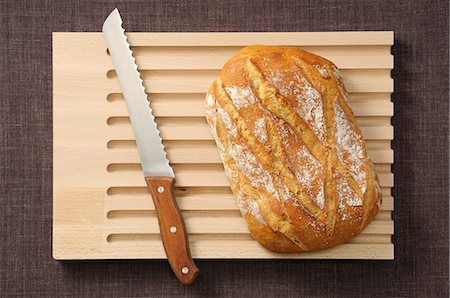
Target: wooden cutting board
101,207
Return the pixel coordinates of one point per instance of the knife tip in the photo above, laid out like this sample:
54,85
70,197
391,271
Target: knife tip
113,17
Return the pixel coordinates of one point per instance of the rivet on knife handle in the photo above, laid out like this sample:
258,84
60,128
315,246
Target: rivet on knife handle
173,230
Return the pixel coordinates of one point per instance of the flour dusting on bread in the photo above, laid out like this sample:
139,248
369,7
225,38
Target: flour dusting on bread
309,100
248,206
260,131
231,127
311,171
242,97
306,168
258,176
323,71
346,195
349,147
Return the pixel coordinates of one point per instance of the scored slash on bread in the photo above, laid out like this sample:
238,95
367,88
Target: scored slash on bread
291,148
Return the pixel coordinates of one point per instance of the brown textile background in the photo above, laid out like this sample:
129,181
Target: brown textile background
421,152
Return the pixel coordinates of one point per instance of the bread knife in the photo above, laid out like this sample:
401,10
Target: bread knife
158,173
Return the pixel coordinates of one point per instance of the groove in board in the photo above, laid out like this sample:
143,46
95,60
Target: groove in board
139,215
195,202
197,81
192,105
200,122
381,168
363,121
207,175
215,192
353,97
122,144
211,225
142,238
198,129
209,154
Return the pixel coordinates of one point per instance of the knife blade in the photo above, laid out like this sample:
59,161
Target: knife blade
157,171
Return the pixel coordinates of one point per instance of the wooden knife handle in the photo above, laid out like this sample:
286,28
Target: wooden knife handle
173,231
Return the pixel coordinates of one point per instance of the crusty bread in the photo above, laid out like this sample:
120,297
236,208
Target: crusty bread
291,148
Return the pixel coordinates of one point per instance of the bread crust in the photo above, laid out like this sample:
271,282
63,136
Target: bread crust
291,148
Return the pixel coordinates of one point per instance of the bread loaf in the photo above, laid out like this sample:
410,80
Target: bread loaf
291,148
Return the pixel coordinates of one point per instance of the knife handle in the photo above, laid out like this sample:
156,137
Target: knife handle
173,230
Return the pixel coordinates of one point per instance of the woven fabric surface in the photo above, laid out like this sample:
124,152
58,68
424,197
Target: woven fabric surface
421,99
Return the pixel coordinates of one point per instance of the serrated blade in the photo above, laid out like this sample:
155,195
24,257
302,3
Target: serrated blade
151,150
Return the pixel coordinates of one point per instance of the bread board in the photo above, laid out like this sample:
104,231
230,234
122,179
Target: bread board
101,207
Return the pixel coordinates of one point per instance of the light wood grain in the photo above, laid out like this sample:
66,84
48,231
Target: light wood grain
214,57
101,206
263,38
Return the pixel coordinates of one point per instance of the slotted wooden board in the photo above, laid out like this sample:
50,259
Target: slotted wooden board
101,208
